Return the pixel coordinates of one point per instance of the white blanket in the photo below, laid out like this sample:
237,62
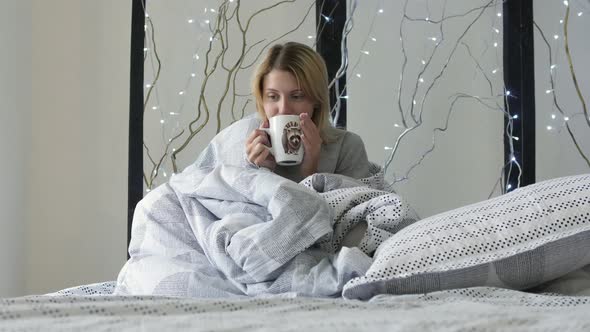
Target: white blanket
223,228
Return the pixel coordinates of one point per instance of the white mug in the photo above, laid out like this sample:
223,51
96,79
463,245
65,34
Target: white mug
285,137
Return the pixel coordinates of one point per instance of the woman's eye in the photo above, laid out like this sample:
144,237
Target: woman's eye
272,97
298,97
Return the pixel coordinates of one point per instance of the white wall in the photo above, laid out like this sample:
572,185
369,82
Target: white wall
15,114
556,154
76,230
466,161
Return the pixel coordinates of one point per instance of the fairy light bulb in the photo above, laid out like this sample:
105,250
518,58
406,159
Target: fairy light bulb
380,11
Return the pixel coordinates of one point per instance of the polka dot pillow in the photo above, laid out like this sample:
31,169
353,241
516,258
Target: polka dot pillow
517,240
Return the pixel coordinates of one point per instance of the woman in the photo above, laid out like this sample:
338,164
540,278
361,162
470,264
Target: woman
292,79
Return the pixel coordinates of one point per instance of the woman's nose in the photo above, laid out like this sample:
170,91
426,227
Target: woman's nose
285,108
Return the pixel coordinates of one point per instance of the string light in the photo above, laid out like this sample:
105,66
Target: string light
380,11
366,52
190,20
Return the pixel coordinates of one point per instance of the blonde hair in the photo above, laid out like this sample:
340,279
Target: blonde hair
309,70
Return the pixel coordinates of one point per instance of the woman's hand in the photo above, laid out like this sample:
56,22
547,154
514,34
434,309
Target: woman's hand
312,144
257,148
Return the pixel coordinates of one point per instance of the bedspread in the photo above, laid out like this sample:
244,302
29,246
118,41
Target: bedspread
222,230
480,308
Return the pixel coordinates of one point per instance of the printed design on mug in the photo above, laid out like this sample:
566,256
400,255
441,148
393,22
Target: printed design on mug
291,137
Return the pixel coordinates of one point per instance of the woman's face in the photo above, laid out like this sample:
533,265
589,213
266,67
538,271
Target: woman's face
282,95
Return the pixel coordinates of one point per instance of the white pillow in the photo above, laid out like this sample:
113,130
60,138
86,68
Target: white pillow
517,240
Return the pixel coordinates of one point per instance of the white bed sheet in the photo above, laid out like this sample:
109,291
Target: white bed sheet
480,308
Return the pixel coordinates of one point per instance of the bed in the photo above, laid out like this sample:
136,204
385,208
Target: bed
91,307
226,246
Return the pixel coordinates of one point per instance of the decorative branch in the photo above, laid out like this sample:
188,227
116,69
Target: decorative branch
215,61
555,102
571,64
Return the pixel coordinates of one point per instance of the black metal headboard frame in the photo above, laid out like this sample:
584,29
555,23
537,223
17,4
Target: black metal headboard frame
518,76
